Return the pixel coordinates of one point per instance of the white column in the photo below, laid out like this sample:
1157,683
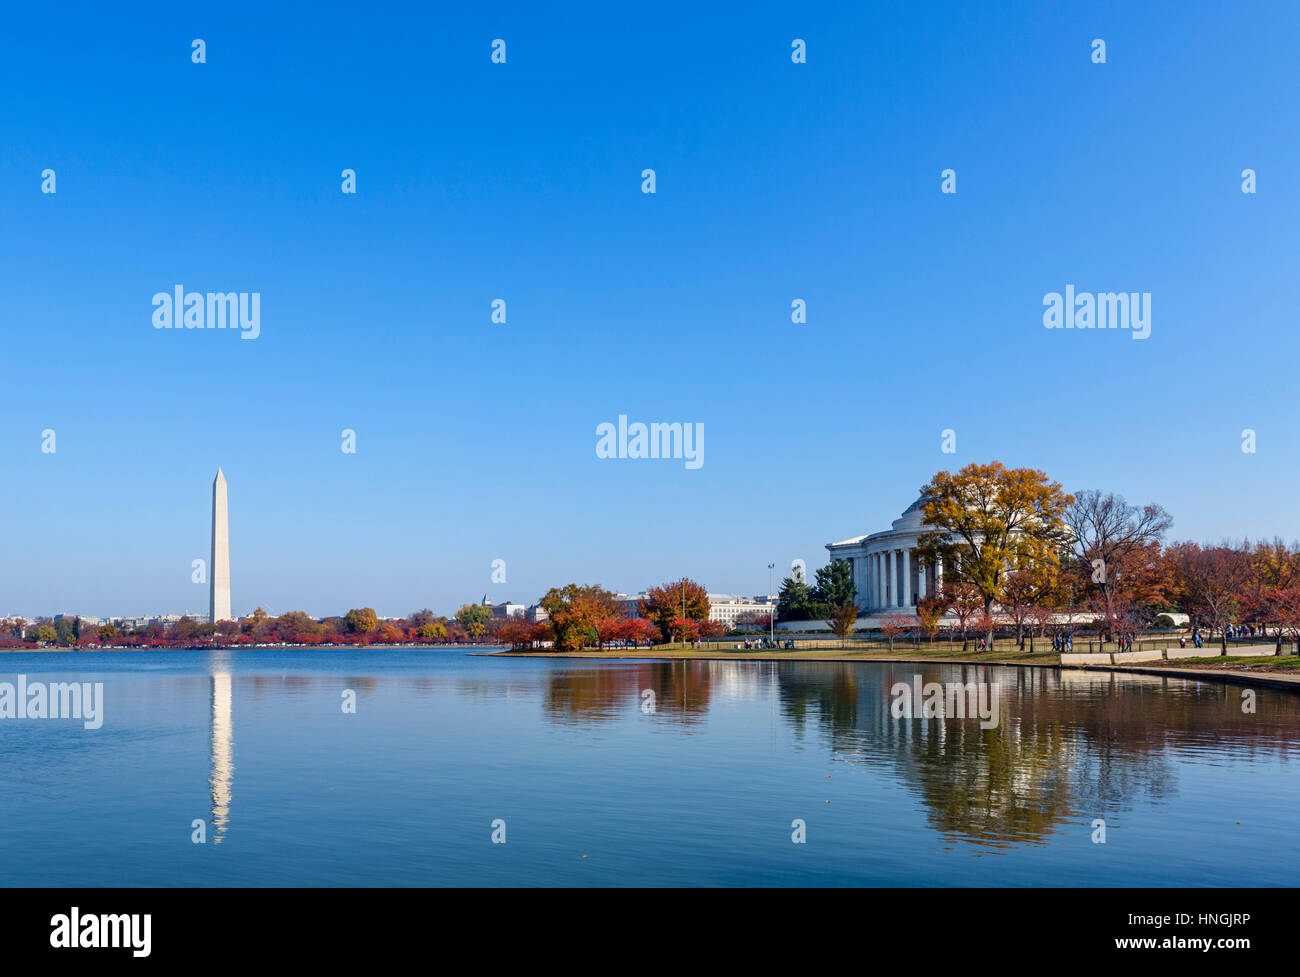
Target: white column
898,578
938,574
920,581
907,577
889,579
895,562
878,598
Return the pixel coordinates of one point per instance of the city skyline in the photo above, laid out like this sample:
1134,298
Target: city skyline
874,593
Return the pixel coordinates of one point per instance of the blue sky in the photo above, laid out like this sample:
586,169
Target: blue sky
775,181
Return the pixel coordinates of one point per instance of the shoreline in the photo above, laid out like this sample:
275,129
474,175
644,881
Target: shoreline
407,647
1232,676
1276,680
796,656
1283,680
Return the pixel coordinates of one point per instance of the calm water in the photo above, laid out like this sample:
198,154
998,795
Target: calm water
701,790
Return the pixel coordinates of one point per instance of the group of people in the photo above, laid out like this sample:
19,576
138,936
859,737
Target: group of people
1242,631
757,644
1063,642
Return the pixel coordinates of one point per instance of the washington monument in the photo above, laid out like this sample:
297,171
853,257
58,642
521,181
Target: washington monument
219,568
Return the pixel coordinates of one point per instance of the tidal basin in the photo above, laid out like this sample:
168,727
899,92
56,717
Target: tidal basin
659,773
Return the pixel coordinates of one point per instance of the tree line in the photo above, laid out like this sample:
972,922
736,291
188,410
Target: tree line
578,616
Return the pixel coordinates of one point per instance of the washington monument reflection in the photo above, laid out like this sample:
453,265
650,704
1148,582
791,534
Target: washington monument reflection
223,760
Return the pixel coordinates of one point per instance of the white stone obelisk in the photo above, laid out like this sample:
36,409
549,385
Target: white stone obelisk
219,569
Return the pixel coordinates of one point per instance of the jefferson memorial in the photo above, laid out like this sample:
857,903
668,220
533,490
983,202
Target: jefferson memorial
888,577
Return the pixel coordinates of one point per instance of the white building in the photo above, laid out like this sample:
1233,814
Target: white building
629,605
887,576
507,609
729,608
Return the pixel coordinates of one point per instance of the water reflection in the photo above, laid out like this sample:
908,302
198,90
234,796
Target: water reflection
1069,745
222,753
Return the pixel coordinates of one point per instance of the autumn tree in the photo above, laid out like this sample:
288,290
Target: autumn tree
685,628
432,631
1213,578
677,599
610,629
361,620
930,610
297,627
988,519
892,626
964,601
639,629
1272,596
515,632
843,619
1117,548
1022,590
709,628
575,613
474,619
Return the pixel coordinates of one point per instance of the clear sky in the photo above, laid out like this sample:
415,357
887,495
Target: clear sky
522,181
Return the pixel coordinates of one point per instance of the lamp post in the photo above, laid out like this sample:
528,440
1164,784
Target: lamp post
771,615
683,612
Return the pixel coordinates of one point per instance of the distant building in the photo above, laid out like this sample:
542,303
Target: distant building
725,608
629,605
728,609
507,609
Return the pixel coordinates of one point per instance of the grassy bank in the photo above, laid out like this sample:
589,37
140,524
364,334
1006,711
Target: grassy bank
1281,663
